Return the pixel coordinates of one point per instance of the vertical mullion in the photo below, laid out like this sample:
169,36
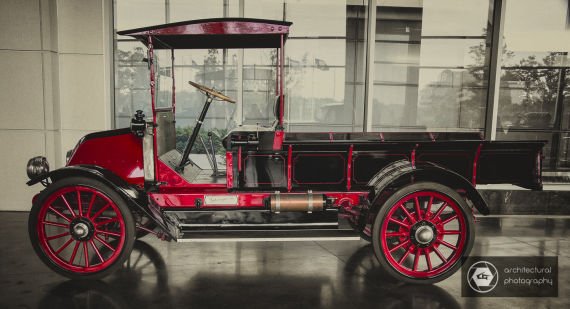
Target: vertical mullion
167,11
558,113
369,69
239,103
495,70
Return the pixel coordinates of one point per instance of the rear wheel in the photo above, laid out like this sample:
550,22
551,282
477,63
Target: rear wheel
81,228
421,233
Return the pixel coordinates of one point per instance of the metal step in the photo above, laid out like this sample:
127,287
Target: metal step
267,235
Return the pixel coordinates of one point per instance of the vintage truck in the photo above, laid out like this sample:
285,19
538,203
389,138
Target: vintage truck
411,194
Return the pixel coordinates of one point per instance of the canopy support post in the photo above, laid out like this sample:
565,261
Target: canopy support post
153,102
281,73
173,84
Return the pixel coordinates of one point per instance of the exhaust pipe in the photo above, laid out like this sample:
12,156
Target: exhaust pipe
297,202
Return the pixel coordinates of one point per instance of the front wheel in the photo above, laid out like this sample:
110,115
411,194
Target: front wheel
81,228
421,233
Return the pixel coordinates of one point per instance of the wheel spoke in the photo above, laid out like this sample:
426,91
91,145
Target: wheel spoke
436,250
428,260
404,256
418,208
93,196
96,251
68,206
408,213
445,243
72,258
417,259
446,221
56,224
440,210
428,209
59,214
108,233
446,232
97,214
105,243
137,260
57,236
79,205
400,223
143,266
401,234
400,245
106,222
64,245
86,254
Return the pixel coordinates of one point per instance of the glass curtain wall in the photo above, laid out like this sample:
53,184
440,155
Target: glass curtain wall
429,67
534,98
324,65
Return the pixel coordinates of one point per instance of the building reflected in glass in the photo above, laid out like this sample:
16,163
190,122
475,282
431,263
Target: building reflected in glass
373,65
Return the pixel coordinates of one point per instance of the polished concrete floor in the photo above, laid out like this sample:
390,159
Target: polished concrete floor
341,274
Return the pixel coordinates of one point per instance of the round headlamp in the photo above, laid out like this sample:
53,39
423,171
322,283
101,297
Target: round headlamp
37,166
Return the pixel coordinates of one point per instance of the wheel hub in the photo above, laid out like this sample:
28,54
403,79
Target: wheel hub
81,229
423,233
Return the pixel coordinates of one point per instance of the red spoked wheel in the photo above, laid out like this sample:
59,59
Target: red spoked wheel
422,232
81,228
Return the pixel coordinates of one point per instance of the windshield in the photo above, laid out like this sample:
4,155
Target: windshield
163,78
247,76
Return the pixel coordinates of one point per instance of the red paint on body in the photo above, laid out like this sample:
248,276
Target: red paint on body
289,158
229,170
116,152
349,168
176,198
279,135
218,27
475,161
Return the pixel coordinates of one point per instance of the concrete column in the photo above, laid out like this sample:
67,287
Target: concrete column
55,59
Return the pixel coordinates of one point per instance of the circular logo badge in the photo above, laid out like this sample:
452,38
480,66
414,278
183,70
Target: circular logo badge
482,277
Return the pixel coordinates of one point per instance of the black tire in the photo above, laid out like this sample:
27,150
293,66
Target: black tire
100,188
390,203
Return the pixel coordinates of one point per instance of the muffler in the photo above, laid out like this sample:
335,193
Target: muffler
308,202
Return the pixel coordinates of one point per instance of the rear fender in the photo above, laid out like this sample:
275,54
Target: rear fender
136,199
402,173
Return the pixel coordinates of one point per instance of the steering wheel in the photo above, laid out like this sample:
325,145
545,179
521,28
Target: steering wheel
212,92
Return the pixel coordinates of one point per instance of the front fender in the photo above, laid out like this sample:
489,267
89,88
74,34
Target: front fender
135,199
402,173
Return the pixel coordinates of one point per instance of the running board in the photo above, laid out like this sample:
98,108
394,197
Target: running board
267,235
258,226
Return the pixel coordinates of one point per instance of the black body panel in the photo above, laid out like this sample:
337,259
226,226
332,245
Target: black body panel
319,161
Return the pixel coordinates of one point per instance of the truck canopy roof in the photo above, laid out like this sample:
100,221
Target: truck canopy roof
214,33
